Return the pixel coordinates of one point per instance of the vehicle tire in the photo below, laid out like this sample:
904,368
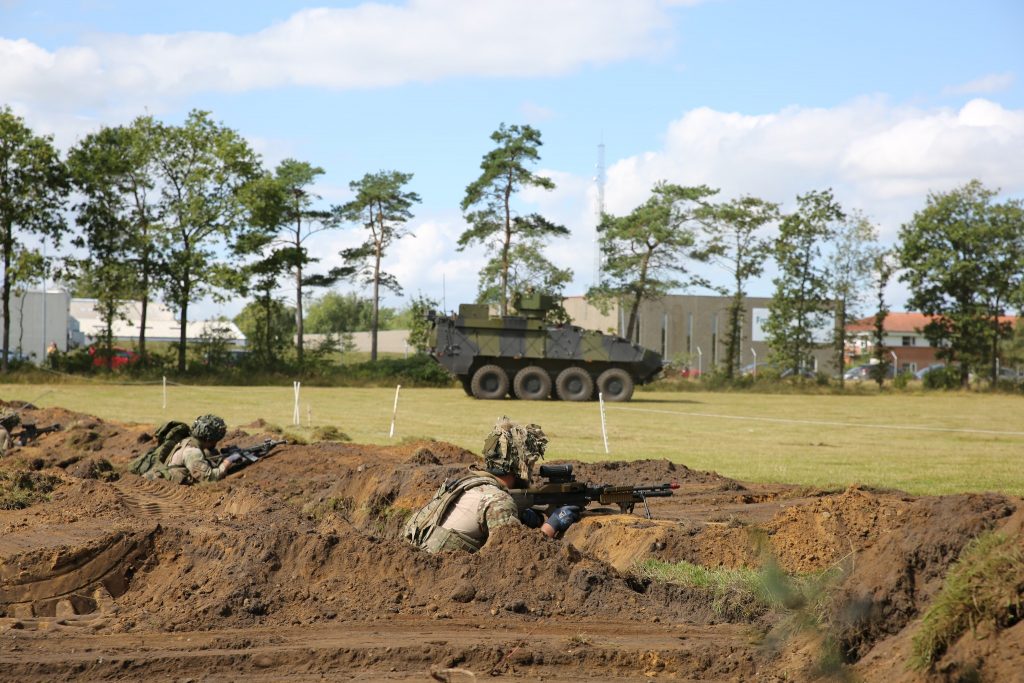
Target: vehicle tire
490,382
574,384
532,383
615,384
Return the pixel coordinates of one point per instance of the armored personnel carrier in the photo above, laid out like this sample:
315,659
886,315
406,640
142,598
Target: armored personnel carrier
521,354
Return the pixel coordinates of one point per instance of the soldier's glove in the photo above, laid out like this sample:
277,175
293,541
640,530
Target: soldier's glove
564,517
531,518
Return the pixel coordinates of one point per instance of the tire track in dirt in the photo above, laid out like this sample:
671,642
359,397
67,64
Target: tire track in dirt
153,499
393,651
64,571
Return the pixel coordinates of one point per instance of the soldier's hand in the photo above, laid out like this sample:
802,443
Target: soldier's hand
563,518
531,518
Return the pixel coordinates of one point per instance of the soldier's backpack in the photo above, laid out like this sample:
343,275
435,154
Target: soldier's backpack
423,529
168,435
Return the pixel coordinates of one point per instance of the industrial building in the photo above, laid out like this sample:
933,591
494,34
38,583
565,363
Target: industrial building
40,318
691,330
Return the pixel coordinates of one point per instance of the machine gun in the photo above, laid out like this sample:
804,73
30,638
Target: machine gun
29,432
561,488
243,457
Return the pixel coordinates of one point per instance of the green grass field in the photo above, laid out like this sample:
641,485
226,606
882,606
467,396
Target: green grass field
922,443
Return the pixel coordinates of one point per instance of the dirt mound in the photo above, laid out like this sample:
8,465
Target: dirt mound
309,539
900,574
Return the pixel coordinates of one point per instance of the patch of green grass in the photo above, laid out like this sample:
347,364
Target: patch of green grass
731,589
329,433
922,443
767,588
983,588
20,489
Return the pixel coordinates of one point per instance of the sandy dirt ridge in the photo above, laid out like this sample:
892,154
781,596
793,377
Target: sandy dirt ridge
293,570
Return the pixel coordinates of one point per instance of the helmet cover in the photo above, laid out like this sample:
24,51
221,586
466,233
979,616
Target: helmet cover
511,448
9,419
209,428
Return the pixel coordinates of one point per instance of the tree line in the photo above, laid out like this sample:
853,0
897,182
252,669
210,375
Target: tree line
962,257
180,212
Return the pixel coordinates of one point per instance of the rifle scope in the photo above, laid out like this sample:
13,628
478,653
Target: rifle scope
557,472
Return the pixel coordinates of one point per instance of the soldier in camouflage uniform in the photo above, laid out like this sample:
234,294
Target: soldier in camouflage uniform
464,511
8,421
191,460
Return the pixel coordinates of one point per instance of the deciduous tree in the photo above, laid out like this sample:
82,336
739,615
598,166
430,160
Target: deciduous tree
202,167
800,304
963,259
113,171
883,271
283,218
849,269
33,189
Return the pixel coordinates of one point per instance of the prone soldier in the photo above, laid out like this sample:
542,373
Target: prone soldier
193,458
464,511
8,421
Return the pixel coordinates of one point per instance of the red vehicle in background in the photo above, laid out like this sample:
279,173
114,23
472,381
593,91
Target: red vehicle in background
119,357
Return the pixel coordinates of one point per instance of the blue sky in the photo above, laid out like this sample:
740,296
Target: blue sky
882,101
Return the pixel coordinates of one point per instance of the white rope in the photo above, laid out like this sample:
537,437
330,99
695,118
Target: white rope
829,423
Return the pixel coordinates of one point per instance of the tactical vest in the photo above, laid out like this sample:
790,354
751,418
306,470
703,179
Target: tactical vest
168,435
424,528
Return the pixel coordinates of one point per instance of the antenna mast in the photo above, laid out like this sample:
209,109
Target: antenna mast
599,178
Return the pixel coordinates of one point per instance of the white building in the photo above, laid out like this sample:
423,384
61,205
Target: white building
161,324
37,319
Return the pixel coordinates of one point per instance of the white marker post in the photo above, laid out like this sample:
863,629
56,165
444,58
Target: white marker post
296,414
394,413
755,361
604,428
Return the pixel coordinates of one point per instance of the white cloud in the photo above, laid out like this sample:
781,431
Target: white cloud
535,113
880,158
989,83
366,46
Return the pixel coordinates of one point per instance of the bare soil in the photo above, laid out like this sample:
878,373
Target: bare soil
293,570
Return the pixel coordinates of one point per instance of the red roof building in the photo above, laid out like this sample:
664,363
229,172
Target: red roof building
903,337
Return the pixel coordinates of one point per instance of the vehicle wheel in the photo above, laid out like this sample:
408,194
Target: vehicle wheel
615,384
532,383
574,384
489,382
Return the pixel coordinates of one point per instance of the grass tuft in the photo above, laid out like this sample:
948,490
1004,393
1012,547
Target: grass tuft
733,591
19,490
982,588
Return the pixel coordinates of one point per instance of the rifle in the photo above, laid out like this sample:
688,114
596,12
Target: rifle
561,488
243,457
29,432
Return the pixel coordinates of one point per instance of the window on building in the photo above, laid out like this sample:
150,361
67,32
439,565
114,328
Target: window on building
909,341
714,341
664,336
689,333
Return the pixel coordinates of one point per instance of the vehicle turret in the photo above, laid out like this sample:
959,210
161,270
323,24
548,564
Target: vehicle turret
523,355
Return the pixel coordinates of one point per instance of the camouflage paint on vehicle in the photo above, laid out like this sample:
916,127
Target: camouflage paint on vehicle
521,354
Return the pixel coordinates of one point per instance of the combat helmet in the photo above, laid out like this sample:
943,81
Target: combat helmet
9,419
511,448
209,428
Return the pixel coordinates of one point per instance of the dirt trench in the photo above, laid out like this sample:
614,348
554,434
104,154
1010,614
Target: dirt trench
293,569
